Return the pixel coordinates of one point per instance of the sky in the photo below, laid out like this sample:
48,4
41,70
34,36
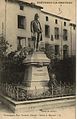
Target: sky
67,10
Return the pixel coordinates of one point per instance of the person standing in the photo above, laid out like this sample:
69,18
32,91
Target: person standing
36,32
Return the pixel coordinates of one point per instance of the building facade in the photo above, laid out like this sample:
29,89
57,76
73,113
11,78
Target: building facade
57,33
73,39
15,19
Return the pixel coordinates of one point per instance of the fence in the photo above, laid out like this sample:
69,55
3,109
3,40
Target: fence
18,94
13,91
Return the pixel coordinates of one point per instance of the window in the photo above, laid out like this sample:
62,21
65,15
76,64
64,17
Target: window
52,37
56,33
21,7
47,31
64,23
74,27
29,42
21,42
56,21
65,51
64,34
46,18
21,22
56,49
19,45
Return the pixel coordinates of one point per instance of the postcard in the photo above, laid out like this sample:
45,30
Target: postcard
37,59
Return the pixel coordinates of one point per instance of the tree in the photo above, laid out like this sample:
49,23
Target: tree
14,68
49,50
3,46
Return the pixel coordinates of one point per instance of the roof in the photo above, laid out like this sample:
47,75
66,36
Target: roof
26,3
56,16
33,5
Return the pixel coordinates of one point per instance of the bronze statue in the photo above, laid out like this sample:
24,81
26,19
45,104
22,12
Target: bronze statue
36,32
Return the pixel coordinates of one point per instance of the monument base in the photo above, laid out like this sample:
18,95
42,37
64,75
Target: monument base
37,105
36,74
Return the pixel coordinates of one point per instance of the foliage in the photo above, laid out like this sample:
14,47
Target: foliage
64,70
3,46
61,68
49,51
13,71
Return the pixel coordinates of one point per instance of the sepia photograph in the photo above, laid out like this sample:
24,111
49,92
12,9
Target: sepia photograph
38,59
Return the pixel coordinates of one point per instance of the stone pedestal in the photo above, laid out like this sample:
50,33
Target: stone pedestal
36,74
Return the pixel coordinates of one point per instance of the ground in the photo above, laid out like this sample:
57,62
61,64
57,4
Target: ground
53,113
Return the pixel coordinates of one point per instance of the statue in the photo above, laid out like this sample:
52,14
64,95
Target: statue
36,32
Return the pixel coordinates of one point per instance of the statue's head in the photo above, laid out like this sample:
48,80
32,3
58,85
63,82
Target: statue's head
36,16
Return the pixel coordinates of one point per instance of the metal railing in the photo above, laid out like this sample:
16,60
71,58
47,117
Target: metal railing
17,93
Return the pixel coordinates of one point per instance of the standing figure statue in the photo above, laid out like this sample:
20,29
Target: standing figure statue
36,32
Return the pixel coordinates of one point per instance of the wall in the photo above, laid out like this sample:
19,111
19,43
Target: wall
60,25
2,17
12,11
72,40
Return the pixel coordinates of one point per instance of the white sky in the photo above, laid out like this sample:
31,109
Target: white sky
65,10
